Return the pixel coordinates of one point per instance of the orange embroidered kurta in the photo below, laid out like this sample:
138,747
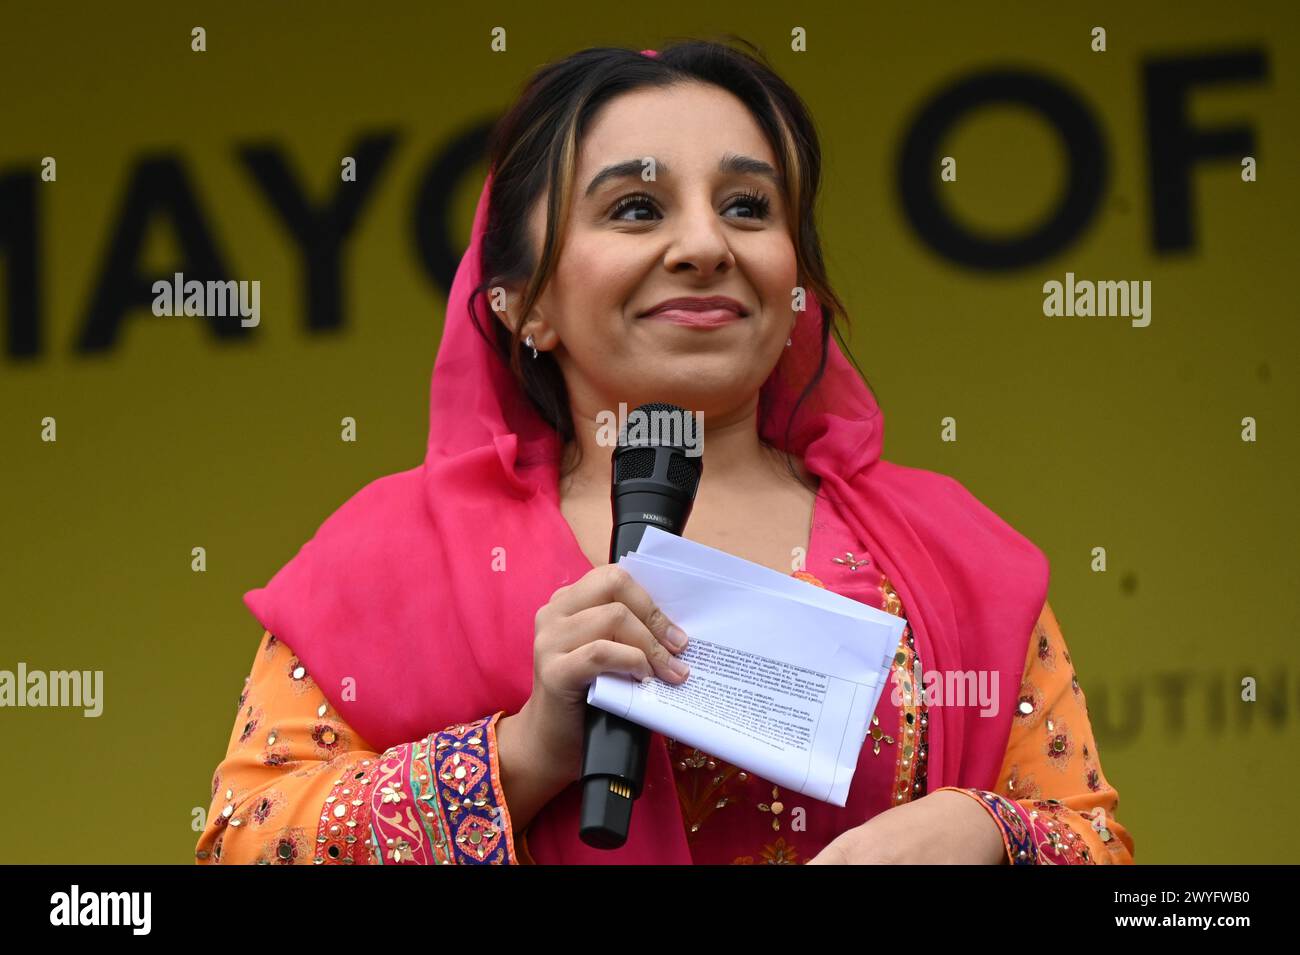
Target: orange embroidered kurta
299,786
1051,799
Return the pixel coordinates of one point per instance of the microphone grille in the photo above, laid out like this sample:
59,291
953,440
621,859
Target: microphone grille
634,464
683,473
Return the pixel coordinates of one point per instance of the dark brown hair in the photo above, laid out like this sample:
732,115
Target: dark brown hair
536,144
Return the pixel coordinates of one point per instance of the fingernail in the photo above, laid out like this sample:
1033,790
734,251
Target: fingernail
679,667
676,636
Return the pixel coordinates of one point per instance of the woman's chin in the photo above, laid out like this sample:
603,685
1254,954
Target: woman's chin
701,386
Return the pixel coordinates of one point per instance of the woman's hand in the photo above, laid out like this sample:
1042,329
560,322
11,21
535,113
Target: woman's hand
603,623
943,827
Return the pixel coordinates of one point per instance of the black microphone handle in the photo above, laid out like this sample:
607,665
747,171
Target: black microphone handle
617,749
614,755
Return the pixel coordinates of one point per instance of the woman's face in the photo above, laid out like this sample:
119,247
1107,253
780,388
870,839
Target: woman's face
696,230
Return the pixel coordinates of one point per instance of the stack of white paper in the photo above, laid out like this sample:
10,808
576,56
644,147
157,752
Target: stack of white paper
784,675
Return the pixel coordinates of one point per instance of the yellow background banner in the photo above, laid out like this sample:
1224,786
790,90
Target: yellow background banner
1082,432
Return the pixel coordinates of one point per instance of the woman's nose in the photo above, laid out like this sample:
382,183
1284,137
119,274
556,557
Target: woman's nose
698,239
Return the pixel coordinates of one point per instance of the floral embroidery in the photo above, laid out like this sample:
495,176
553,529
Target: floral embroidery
1058,843
1059,744
252,720
1029,705
466,767
265,806
439,801
227,815
778,853
265,745
877,736
1046,652
329,740
299,678
775,807
397,831
278,756
703,797
342,837
774,853
288,847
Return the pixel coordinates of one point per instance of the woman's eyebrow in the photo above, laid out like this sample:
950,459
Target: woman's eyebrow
728,164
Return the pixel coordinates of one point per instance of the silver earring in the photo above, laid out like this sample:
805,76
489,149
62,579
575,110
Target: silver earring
789,342
529,342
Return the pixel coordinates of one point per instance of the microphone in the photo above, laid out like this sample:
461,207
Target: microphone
651,484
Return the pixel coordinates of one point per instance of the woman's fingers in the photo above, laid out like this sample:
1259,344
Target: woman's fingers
617,624
613,584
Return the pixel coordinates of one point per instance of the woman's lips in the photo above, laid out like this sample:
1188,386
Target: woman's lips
696,318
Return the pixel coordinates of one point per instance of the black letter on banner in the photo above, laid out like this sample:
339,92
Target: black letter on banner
1175,145
158,187
918,170
437,252
20,242
320,230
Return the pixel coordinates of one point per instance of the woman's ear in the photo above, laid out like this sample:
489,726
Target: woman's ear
502,299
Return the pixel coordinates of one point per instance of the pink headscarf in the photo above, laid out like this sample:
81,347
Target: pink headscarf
402,589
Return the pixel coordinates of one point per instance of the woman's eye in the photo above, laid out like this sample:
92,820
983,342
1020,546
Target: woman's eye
758,204
633,202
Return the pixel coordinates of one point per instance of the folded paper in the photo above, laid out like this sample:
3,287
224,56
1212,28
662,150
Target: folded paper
784,675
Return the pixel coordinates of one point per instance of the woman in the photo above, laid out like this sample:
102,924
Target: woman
418,696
